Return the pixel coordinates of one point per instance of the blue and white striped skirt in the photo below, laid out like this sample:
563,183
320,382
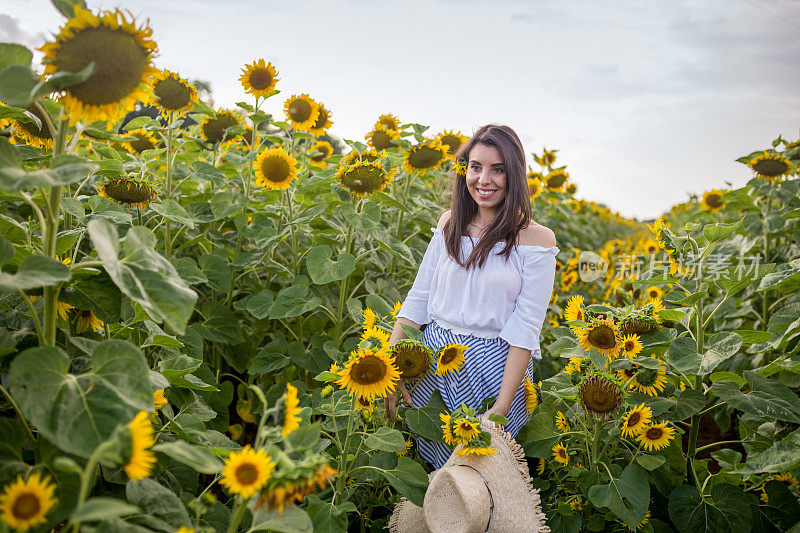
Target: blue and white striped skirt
479,378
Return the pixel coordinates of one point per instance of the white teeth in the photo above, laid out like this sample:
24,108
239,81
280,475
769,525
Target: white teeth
485,193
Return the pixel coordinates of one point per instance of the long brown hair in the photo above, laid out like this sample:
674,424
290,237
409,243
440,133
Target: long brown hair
513,213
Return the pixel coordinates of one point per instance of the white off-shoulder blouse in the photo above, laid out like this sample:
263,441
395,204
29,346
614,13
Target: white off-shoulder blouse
506,299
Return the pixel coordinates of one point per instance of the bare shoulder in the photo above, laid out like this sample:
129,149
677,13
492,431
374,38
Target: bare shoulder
537,235
443,219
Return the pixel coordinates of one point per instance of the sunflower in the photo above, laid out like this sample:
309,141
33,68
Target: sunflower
464,430
534,187
215,128
574,311
159,400
28,132
539,465
568,279
409,444
323,122
649,381
531,398
388,121
145,140
574,365
787,478
600,397
560,454
658,306
571,188
412,358
369,373
171,93
770,165
656,436
87,320
290,410
424,156
363,178
325,150
644,522
381,137
129,191
650,246
450,358
636,420
548,157
631,345
24,503
291,490
654,292
362,402
246,471
368,319
122,55
556,179
353,156
396,309
475,449
63,309
275,169
141,460
378,338
452,140
259,78
446,428
459,168
301,111
602,335
561,423
712,200
575,505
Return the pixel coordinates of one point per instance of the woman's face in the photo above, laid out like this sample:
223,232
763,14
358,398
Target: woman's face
486,177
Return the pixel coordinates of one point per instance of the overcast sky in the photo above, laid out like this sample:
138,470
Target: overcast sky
646,101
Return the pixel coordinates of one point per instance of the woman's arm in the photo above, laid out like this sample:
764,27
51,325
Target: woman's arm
398,333
514,373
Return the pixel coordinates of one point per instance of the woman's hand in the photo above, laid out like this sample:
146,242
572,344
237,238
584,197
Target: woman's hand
391,400
495,410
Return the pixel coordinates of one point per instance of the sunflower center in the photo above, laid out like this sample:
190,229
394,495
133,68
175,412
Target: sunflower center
322,118
424,157
128,192
633,420
646,377
364,179
629,346
562,453
26,506
533,187
653,294
556,180
260,79
324,152
714,200
172,94
246,473
603,337
771,167
411,362
449,355
275,169
363,402
452,142
654,433
142,143
214,128
381,140
368,370
300,110
120,62
629,373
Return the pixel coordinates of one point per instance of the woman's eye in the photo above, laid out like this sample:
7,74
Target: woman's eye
475,167
498,170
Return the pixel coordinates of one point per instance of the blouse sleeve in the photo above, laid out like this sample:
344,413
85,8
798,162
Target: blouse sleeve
524,324
415,306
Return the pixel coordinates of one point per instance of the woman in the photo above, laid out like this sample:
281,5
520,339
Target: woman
485,282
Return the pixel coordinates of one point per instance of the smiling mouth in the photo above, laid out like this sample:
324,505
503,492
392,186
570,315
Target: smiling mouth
486,193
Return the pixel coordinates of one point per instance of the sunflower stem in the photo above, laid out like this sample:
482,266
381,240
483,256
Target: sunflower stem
400,217
595,444
694,429
237,514
288,196
343,289
34,316
343,473
19,413
168,187
87,477
765,295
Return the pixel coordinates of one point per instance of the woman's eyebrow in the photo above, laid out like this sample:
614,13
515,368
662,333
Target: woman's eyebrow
491,164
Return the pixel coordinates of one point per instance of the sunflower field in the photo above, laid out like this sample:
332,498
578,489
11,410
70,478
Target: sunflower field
197,305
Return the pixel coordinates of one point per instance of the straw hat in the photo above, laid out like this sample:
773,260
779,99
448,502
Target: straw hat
477,494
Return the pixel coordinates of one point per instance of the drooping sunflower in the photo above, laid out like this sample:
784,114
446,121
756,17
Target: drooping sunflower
657,307
87,320
424,156
290,412
450,358
323,122
561,423
534,187
301,111
129,191
656,437
447,428
141,458
556,179
452,140
246,471
381,137
171,93
215,129
574,365
600,397
531,398
354,156
28,132
464,430
649,381
574,311
602,335
412,358
713,200
378,338
560,453
159,400
771,165
259,78
388,121
145,140
631,345
24,503
275,169
636,420
539,465
475,448
63,309
369,373
292,485
122,55
325,150
363,178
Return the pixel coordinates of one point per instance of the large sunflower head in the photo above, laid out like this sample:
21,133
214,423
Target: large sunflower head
712,200
450,358
290,411
771,165
171,93
325,151
600,396
129,191
602,335
388,121
323,122
363,178
465,430
656,436
424,156
215,129
24,503
122,54
375,338
301,111
412,358
452,140
631,345
28,132
140,459
145,140
560,454
381,137
259,78
369,373
649,381
534,187
246,471
636,420
574,311
275,169
556,179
